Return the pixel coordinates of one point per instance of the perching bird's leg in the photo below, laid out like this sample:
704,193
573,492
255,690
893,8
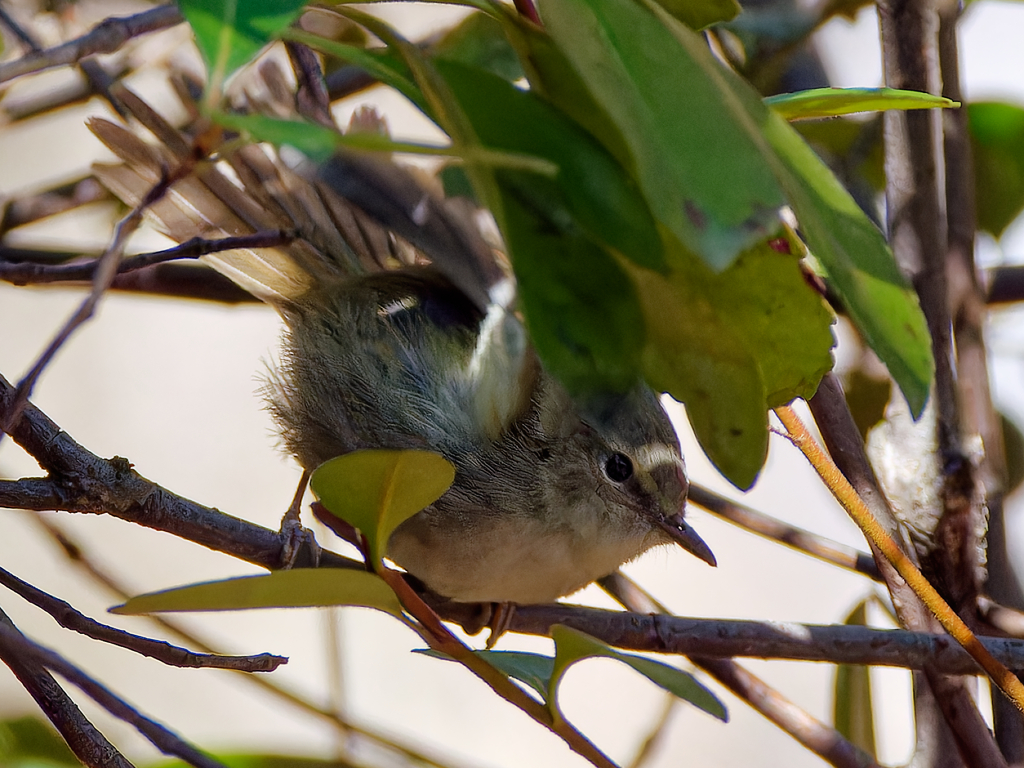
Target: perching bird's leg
294,535
501,620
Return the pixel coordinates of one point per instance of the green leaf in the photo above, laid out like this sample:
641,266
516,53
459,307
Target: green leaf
852,712
856,260
997,143
582,313
533,669
319,142
375,491
831,102
297,588
572,646
479,42
29,741
231,32
697,14
731,345
699,158
594,189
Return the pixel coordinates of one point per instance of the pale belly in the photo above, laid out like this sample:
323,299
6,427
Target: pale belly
519,561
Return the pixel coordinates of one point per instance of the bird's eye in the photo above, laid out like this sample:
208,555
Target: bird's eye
618,467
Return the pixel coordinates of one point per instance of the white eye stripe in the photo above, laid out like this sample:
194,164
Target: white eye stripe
656,454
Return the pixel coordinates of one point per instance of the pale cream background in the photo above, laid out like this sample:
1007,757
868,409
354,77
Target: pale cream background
171,386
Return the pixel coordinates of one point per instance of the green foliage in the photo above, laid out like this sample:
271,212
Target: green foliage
27,742
375,491
831,102
647,188
230,33
298,588
733,344
697,158
543,674
853,710
997,142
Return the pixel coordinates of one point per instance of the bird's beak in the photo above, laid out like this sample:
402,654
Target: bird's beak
683,535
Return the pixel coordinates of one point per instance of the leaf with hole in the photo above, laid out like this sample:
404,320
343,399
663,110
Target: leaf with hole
375,491
297,588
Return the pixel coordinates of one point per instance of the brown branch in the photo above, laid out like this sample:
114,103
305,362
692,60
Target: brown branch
70,618
820,738
80,559
105,37
772,528
103,275
26,273
88,744
13,642
80,481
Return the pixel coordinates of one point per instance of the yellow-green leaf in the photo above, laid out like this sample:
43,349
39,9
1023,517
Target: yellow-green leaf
375,491
831,102
298,588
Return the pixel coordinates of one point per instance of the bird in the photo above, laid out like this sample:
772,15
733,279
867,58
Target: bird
382,349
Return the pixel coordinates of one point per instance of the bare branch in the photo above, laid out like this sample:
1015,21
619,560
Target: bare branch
105,37
89,745
820,738
26,273
797,538
69,618
161,737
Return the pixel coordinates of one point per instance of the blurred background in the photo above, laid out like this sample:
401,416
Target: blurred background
173,386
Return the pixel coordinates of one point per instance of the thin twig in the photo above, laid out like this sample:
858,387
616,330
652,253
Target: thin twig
26,273
104,273
820,738
440,639
160,736
852,503
772,528
80,558
85,741
70,618
105,37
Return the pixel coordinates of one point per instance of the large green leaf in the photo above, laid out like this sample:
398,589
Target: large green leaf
831,102
231,32
857,262
572,646
534,669
697,14
997,141
699,158
480,42
298,588
580,307
733,344
597,192
375,491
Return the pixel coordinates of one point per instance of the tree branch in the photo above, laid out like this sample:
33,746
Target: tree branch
105,37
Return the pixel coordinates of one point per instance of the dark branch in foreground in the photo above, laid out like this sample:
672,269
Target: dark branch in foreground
166,741
26,273
105,37
82,482
89,745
